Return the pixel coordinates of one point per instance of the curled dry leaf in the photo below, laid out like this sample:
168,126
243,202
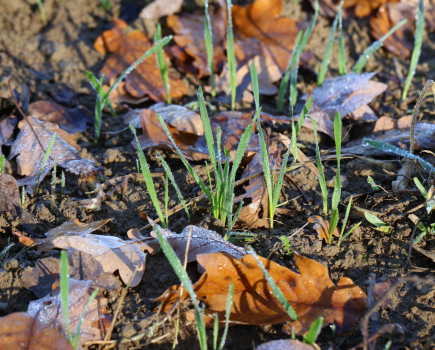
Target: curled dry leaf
233,124
20,331
181,118
322,228
71,120
343,94
127,45
30,154
160,8
40,279
284,344
119,95
311,293
428,253
48,310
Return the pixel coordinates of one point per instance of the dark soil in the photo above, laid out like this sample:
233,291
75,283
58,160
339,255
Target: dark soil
46,57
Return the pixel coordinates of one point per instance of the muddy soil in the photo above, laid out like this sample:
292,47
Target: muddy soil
47,57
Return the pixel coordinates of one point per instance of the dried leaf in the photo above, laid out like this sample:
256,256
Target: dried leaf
428,253
381,288
284,344
181,118
127,46
30,154
322,228
233,124
311,293
119,95
49,310
71,120
20,331
363,114
7,127
363,8
343,94
160,8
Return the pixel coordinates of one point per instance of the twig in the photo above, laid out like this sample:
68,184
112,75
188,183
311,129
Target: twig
295,185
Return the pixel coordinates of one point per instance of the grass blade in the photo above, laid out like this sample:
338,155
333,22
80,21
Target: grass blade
419,29
227,315
64,290
162,64
321,176
2,163
47,154
342,69
208,36
420,187
231,56
75,342
303,115
314,331
184,278
345,222
293,89
275,289
147,177
372,183
254,82
337,187
362,60
373,219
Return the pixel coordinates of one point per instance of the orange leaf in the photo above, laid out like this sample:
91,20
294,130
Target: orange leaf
311,293
127,46
322,228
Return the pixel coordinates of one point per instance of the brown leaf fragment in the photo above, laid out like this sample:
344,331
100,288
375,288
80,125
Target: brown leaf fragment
48,310
119,95
71,120
284,344
160,8
381,287
428,253
20,331
322,228
127,45
311,293
30,154
7,127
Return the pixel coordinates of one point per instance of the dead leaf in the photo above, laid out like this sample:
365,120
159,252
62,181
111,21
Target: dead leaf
343,94
381,288
322,228
387,123
119,95
30,154
233,124
202,241
284,344
20,331
363,8
363,114
82,266
9,202
428,253
311,293
48,310
160,8
7,127
71,120
127,46
181,118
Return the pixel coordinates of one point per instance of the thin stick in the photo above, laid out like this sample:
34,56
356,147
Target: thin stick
426,87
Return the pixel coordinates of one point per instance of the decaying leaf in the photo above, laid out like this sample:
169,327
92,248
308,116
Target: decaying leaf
20,331
284,344
9,202
160,8
311,293
71,120
7,127
127,45
82,266
30,154
48,310
233,124
343,94
363,8
119,95
202,241
428,253
382,286
322,228
181,118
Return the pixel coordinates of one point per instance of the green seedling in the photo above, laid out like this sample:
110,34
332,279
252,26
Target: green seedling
314,331
187,284
286,245
23,197
41,11
232,220
53,184
342,70
388,345
2,163
208,36
227,320
321,177
166,199
275,289
103,97
322,72
149,182
234,236
428,195
372,183
231,56
4,254
419,29
47,154
343,237
62,183
362,60
423,229
374,220
106,4
64,293
162,64
177,189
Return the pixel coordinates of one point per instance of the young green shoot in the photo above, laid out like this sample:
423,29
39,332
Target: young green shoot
2,163
177,189
103,98
166,199
428,195
231,56
232,220
187,284
275,289
148,178
343,237
372,183
42,11
342,69
234,237
337,187
314,331
286,245
62,183
362,60
227,320
162,64
419,29
23,197
208,36
321,176
47,154
322,72
53,184
374,220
